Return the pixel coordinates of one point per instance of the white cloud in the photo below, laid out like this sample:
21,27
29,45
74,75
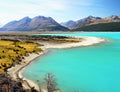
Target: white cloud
80,3
16,9
48,4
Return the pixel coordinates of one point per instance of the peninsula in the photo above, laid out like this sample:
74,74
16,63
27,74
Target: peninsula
20,50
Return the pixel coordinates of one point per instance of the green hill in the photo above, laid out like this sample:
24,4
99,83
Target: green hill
113,26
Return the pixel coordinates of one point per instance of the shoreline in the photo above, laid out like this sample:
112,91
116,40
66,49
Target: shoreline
16,71
86,41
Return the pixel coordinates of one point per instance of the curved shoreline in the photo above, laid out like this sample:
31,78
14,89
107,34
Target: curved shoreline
86,41
16,72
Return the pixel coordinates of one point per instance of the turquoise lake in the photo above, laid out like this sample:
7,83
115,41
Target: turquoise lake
87,69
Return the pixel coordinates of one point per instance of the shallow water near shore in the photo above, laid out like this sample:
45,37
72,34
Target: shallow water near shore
87,69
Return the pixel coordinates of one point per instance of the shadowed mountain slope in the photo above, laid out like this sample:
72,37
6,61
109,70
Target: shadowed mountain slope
38,23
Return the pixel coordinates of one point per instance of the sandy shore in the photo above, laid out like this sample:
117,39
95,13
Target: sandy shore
16,71
87,41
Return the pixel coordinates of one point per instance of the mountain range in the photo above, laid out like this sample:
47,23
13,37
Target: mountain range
38,23
90,20
41,23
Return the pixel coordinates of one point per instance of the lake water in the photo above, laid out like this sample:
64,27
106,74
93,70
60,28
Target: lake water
87,69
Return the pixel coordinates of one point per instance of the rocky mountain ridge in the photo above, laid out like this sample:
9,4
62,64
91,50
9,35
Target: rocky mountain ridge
42,23
90,20
38,23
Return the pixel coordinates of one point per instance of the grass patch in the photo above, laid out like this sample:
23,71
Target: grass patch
12,52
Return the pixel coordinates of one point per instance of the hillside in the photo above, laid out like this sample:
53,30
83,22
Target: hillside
38,23
91,20
112,26
81,22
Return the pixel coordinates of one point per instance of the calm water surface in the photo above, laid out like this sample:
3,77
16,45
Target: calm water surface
87,69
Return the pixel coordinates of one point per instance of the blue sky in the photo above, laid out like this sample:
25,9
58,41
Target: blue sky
60,10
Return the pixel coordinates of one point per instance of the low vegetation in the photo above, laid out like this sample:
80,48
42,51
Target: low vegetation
12,52
8,85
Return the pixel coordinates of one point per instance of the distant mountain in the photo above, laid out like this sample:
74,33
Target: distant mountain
38,23
91,20
68,24
41,23
112,18
81,22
